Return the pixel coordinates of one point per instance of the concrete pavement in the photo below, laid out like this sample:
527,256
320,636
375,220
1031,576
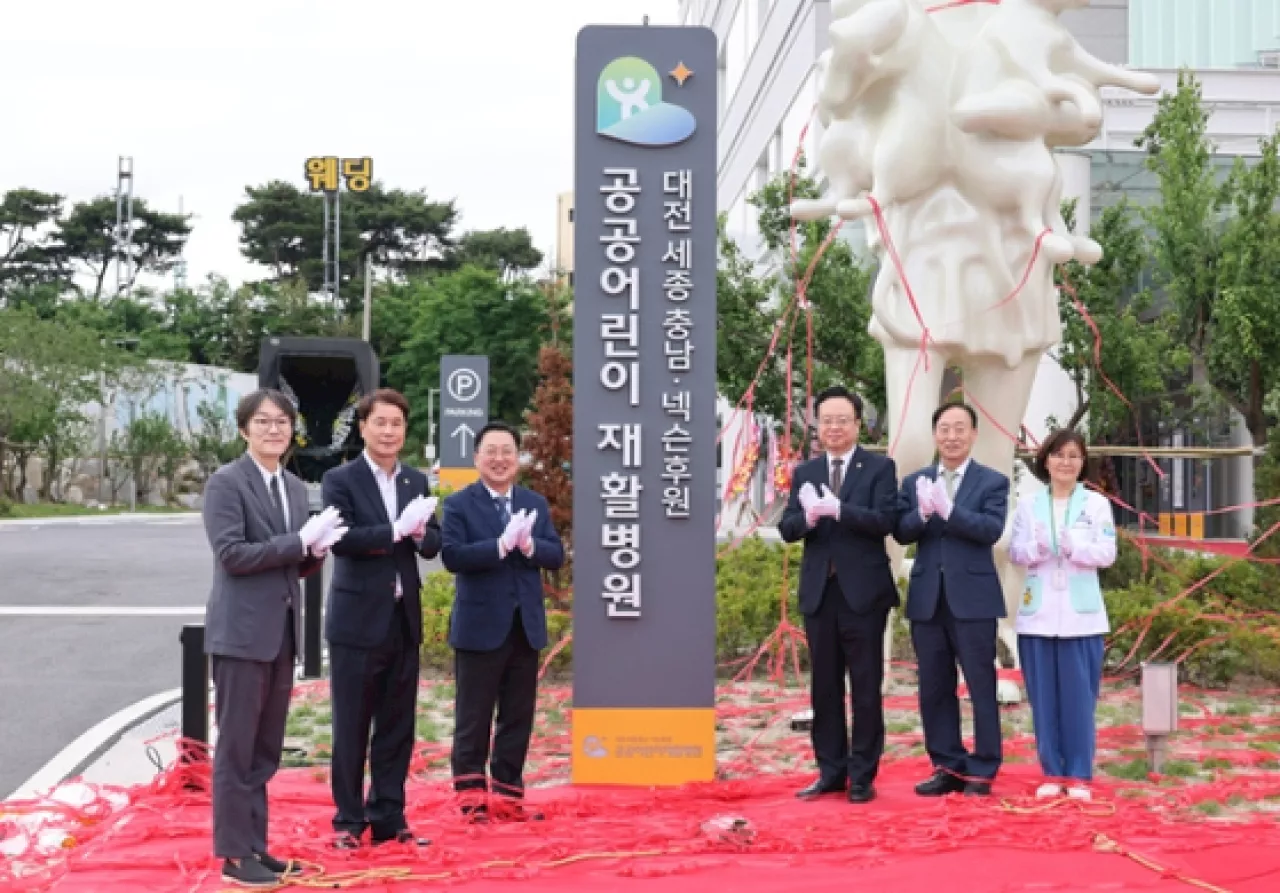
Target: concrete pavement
69,655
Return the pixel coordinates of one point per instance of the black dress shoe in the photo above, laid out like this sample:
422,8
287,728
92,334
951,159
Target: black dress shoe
820,787
271,863
977,789
346,841
249,873
404,835
940,784
476,813
861,793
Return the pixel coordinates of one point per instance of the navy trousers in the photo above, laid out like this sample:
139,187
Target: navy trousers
1063,678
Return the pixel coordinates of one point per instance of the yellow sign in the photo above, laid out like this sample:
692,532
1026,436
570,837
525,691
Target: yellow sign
322,173
457,478
644,746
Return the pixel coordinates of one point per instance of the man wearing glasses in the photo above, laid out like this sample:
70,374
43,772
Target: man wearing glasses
497,537
255,516
843,505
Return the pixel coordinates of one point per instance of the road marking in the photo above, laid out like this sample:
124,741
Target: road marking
91,611
77,755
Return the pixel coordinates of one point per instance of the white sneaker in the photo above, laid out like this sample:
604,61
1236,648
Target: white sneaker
1048,791
1080,792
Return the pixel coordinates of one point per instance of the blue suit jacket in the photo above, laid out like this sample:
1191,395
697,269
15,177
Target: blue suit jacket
489,588
855,542
960,547
367,561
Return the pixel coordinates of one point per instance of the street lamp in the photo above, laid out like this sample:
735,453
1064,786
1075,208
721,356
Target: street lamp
431,450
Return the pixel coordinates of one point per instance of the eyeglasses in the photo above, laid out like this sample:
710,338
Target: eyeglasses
1063,457
842,421
265,423
497,452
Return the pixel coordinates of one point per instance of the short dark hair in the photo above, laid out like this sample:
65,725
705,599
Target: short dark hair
837,391
250,403
937,413
1054,443
369,402
501,427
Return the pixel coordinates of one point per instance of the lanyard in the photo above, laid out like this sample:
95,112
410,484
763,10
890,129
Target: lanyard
1053,524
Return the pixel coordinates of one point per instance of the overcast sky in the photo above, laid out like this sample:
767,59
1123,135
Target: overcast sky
469,100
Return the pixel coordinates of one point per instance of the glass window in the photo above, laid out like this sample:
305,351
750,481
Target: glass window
735,58
798,117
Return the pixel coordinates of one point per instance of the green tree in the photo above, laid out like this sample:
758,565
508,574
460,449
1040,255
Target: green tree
508,251
471,311
1139,353
85,241
1217,253
1242,355
753,296
27,217
282,228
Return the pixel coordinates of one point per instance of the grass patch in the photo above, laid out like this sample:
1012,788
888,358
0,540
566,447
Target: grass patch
1209,807
1130,770
63,510
1241,708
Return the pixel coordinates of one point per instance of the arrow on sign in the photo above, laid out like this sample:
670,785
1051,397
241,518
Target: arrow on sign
465,435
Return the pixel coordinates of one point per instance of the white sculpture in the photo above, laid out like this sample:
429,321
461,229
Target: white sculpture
939,125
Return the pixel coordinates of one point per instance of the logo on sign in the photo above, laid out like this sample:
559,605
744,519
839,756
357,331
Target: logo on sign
629,106
592,746
463,385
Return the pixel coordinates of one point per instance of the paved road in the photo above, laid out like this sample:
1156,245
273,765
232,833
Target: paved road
60,676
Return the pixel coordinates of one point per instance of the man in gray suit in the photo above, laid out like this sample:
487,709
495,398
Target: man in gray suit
255,515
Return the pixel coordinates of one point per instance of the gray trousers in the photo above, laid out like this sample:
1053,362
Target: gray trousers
251,709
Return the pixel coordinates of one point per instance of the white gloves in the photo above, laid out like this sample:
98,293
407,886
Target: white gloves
414,517
924,497
321,531
818,507
1064,543
941,501
519,532
318,525
1041,548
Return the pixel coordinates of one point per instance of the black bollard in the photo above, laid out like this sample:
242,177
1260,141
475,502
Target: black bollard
313,605
195,697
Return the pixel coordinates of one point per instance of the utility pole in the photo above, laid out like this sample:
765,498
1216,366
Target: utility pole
124,226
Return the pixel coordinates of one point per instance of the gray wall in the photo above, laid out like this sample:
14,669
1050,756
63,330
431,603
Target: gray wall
1102,28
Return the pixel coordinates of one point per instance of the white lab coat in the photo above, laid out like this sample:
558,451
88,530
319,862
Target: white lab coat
1063,597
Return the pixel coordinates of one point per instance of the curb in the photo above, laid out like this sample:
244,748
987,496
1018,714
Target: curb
77,756
87,518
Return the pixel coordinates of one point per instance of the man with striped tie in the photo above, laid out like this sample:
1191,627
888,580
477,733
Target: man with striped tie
497,538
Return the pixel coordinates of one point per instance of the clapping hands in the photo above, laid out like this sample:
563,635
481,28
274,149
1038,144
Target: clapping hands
817,507
1042,547
519,532
321,531
924,497
414,517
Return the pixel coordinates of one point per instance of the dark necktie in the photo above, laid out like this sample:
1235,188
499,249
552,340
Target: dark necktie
278,502
837,479
504,508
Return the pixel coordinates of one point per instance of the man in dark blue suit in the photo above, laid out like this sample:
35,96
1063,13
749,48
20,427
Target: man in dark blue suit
497,538
373,622
842,506
955,513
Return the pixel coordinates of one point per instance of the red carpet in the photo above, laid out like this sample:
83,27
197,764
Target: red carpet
626,839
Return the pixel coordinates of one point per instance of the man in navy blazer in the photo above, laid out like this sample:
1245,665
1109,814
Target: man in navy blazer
843,505
373,621
955,513
497,538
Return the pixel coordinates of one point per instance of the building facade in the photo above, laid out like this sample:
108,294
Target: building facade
564,237
768,89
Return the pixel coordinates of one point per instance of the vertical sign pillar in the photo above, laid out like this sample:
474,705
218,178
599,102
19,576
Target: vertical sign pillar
644,430
464,410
